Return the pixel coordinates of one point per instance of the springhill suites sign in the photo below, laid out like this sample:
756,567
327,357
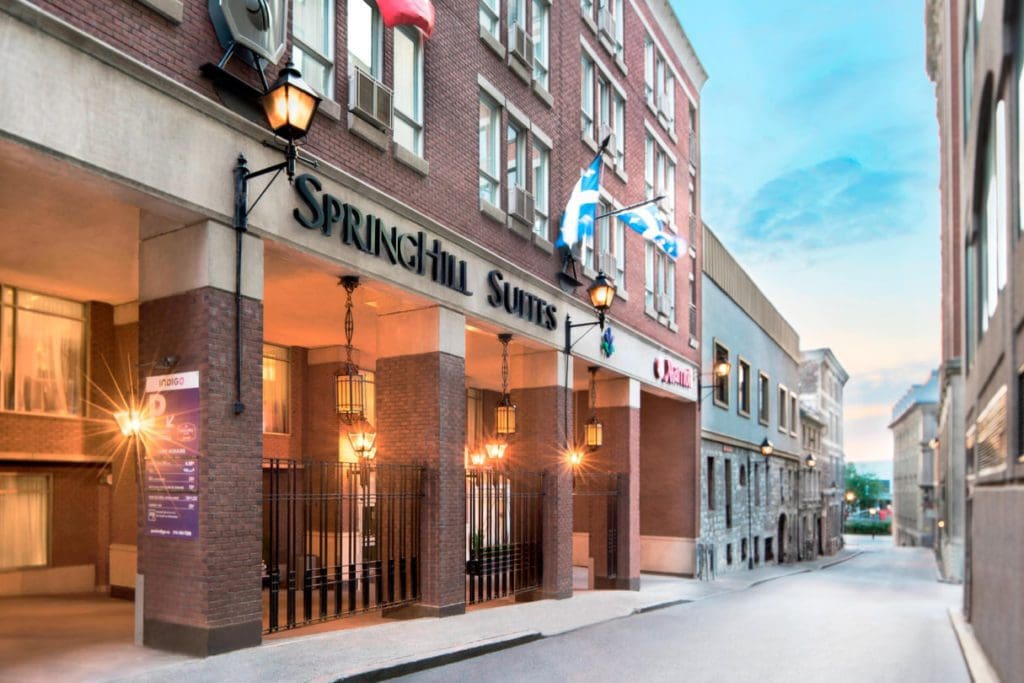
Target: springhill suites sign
415,252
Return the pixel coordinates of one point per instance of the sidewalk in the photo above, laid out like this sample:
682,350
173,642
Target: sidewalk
399,647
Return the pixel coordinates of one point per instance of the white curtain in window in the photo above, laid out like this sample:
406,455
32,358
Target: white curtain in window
24,520
47,364
275,392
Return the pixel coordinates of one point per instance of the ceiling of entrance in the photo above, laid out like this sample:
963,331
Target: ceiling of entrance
65,232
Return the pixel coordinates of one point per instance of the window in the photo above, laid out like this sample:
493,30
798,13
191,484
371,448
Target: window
490,13
604,110
743,388
783,405
515,153
728,553
728,493
659,283
989,239
968,74
24,520
793,412
711,483
610,234
365,36
659,84
313,43
743,549
408,95
743,475
42,340
764,398
587,97
541,59
659,177
1020,125
490,150
541,166
276,389
721,383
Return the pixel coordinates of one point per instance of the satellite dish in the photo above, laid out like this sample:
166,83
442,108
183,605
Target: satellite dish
259,25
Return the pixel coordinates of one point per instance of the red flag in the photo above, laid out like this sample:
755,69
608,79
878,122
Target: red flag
419,13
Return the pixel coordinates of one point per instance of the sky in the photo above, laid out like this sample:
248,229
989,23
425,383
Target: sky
819,170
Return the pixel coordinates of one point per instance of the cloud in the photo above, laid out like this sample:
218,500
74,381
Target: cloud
835,203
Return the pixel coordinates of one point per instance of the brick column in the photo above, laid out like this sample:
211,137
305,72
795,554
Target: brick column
202,595
618,408
421,418
542,405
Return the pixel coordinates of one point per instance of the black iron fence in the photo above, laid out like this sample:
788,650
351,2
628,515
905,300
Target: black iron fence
504,511
338,539
597,494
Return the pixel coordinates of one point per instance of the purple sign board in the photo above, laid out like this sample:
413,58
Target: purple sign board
172,515
172,462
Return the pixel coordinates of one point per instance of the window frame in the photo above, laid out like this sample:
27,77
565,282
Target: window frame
376,69
540,25
415,124
742,397
490,10
720,394
287,362
81,405
783,408
491,175
47,528
764,391
328,60
541,200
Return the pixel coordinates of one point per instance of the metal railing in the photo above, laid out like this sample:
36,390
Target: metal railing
504,539
338,539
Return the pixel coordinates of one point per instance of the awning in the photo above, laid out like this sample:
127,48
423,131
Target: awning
419,13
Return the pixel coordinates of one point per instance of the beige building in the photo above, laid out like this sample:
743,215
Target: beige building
914,424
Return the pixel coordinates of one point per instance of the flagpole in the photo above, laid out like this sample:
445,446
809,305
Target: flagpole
630,207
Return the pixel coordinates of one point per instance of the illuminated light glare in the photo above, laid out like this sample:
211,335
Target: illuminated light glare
495,449
477,458
723,368
575,457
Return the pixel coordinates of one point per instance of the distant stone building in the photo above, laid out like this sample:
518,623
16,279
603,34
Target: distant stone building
750,501
914,426
822,378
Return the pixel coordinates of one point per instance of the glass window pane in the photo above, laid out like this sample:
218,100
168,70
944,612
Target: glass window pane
24,520
47,364
311,20
276,404
363,27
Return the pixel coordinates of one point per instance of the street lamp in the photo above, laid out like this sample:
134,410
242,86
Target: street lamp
810,461
767,448
602,295
289,106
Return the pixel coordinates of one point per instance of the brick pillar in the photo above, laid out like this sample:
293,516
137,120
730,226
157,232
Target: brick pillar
618,408
542,405
202,595
421,418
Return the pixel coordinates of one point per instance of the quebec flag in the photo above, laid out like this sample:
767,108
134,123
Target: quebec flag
581,210
645,221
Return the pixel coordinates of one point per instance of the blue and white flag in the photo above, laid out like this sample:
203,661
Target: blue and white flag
580,211
645,221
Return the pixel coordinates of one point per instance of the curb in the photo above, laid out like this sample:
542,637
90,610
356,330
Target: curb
661,605
434,661
978,666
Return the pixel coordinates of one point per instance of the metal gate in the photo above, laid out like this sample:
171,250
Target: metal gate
504,510
596,497
338,539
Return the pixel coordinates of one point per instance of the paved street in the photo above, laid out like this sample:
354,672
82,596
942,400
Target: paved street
881,616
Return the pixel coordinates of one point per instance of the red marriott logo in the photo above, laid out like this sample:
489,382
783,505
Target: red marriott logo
669,373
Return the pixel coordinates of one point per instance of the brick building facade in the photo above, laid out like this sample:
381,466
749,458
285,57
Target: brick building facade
121,264
976,58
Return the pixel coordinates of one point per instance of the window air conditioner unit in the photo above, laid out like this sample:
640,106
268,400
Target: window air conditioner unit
662,303
369,99
520,205
606,24
608,264
520,44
